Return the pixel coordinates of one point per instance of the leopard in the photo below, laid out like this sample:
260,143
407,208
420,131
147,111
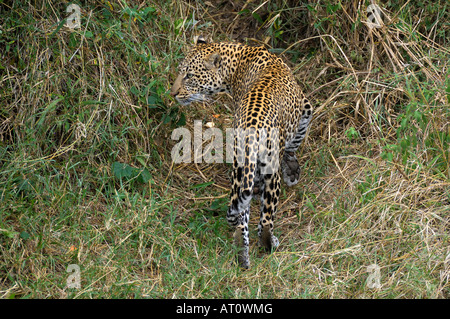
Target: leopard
271,118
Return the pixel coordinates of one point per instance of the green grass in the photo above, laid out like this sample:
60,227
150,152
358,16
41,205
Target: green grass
86,176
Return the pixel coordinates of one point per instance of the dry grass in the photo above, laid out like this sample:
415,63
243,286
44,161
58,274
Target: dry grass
374,189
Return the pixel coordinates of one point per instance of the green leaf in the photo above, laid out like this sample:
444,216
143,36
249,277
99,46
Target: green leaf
148,12
153,102
24,235
244,11
122,170
126,172
352,133
220,204
135,91
8,233
202,185
181,121
144,176
257,17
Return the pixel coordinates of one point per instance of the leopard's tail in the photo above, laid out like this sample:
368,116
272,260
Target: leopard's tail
246,144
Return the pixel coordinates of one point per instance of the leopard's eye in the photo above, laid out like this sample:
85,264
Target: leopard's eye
188,75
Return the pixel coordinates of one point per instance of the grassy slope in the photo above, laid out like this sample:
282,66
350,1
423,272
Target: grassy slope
86,176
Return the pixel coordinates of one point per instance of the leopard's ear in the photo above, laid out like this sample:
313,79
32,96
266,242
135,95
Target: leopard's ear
200,40
213,61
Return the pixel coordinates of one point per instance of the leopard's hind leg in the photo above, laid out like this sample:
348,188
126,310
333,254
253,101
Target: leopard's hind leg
289,163
290,168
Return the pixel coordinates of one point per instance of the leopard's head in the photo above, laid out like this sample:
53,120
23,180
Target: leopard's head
199,74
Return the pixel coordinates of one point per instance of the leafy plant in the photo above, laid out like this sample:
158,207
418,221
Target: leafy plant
352,133
125,172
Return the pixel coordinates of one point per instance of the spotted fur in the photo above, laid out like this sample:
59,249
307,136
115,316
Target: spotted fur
271,119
